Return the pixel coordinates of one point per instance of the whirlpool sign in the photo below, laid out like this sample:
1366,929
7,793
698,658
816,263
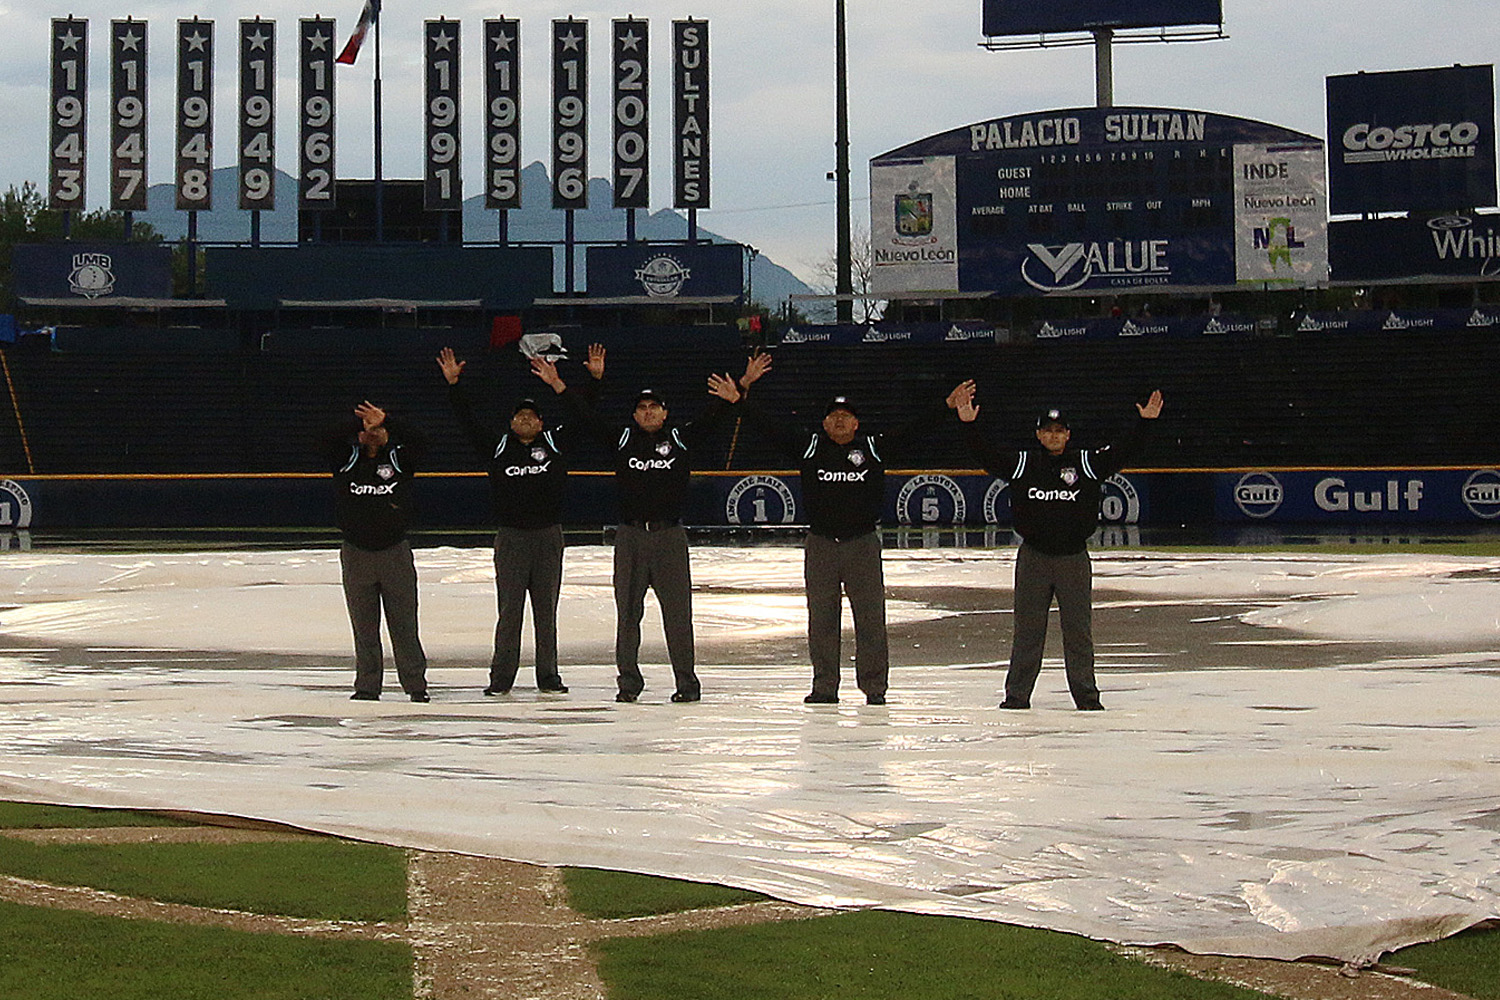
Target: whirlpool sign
1365,496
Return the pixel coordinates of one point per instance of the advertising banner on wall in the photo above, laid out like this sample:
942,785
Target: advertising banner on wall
1457,246
665,272
913,226
1280,215
1023,17
1359,497
87,271
1089,200
1412,140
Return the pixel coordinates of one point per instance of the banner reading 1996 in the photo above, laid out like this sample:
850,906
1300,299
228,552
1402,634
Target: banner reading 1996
315,160
570,104
502,116
690,120
632,128
195,115
127,116
443,187
70,61
258,115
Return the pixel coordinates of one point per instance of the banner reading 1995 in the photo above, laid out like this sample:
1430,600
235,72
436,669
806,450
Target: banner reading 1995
502,116
127,116
70,62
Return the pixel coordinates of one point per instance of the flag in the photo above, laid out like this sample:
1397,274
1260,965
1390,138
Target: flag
366,19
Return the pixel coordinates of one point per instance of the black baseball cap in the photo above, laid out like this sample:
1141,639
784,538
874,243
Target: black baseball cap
1052,416
528,404
841,403
650,394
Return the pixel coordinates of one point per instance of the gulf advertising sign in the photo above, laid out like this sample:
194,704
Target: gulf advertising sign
1361,496
1412,140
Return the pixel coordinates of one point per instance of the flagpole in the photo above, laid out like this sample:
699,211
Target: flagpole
379,166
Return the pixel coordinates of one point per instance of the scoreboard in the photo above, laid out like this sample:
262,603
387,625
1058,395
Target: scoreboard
1096,199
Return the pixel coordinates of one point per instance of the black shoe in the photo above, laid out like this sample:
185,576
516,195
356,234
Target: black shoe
364,696
625,698
1091,706
683,696
821,699
554,689
874,699
1012,703
421,696
491,691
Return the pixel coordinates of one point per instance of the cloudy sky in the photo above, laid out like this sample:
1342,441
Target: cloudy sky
915,69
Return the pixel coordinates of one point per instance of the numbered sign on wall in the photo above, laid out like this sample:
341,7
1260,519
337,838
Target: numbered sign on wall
195,115
127,116
502,118
443,190
570,107
315,160
632,133
258,115
66,166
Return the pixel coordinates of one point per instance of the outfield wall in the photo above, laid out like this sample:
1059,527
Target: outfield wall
1151,498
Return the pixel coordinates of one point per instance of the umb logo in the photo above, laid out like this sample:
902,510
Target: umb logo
663,276
15,505
765,499
914,216
93,275
1258,494
1481,494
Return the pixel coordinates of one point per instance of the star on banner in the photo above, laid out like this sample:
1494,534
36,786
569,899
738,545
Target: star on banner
570,42
258,40
318,41
441,42
196,41
630,42
502,42
130,42
70,41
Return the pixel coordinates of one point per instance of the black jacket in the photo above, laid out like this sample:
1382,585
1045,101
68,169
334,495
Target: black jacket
373,494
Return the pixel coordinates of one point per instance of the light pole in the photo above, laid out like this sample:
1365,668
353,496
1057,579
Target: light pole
843,280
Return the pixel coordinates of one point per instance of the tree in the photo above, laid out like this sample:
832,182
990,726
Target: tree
862,276
25,218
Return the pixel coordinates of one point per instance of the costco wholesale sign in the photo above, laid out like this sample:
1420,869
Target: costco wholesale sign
1093,200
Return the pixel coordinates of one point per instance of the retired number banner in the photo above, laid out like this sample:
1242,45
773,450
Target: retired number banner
195,115
127,116
632,132
570,105
442,190
258,115
315,187
70,63
690,118
502,120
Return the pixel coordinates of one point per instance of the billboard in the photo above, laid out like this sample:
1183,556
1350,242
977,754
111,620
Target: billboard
92,271
1412,140
1023,17
666,272
1092,200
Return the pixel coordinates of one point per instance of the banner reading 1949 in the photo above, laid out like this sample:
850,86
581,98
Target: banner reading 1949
258,115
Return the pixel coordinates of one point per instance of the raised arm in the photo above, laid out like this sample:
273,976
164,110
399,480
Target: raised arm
1112,458
993,461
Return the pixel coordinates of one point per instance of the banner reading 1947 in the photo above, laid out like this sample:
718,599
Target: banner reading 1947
502,117
315,160
195,115
70,61
443,187
127,116
258,115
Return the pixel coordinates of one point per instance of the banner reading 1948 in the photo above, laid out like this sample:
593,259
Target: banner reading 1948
70,61
443,187
315,160
502,116
690,122
570,105
258,115
195,115
127,116
631,98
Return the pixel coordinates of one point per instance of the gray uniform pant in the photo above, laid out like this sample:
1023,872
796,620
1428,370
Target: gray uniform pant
1040,578
527,561
371,580
832,569
657,559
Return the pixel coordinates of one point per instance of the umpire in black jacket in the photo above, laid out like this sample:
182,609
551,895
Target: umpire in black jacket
1054,496
373,459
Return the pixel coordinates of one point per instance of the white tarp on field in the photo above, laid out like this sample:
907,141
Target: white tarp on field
1339,811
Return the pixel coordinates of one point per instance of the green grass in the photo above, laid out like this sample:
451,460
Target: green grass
1465,963
876,955
60,955
612,895
321,879
26,816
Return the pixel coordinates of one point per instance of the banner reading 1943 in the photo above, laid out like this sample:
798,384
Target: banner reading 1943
443,187
258,115
195,115
127,116
315,159
502,117
70,61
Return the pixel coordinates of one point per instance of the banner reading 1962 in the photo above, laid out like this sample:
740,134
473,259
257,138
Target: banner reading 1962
315,148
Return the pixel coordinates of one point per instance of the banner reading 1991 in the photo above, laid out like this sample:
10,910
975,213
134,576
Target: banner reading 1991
258,115
127,116
315,156
70,61
443,187
502,116
195,115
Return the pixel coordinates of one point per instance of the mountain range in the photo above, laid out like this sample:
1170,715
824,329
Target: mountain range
537,222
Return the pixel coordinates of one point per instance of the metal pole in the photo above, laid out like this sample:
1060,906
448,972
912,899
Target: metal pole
1104,67
379,163
844,281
